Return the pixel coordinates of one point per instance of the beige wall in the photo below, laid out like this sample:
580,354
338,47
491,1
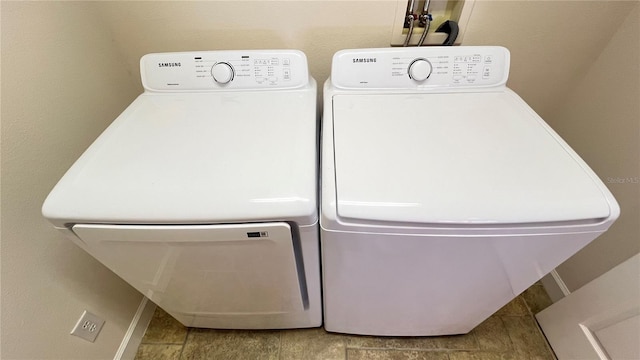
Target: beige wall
600,118
319,28
552,43
63,82
69,68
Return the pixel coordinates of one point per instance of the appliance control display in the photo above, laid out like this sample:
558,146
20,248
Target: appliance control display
224,70
424,68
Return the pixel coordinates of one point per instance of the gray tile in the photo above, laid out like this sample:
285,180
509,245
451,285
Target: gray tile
526,337
453,342
458,342
546,357
510,334
407,343
231,345
483,355
312,344
164,329
378,354
551,356
536,298
373,342
515,307
492,335
158,352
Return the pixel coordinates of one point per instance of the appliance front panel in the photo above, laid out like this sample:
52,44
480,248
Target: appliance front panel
228,70
390,285
195,272
424,69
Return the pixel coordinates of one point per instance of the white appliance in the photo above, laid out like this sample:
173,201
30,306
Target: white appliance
444,195
202,193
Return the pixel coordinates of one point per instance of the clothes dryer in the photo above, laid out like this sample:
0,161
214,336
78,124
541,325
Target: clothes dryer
444,195
202,193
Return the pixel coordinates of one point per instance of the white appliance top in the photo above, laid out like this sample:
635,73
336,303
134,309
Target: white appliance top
445,153
198,157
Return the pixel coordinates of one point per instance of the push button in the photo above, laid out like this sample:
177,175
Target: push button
486,72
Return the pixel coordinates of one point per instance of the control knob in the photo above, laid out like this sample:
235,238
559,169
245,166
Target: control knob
222,72
419,69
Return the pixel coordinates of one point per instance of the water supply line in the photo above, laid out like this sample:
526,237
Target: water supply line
425,21
410,19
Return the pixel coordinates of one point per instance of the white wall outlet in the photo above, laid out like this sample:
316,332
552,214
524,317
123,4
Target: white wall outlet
88,327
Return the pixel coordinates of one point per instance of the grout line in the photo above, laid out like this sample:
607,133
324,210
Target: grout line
504,326
513,345
475,337
419,349
546,341
184,343
163,343
526,304
280,345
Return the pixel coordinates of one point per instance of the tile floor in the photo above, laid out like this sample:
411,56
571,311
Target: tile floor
511,333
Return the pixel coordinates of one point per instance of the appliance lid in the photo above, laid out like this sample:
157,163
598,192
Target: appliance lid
197,158
457,158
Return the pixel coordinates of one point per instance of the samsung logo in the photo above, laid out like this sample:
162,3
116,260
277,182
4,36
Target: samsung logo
364,60
171,64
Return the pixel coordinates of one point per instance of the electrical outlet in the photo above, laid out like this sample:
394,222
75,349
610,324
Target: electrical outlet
88,327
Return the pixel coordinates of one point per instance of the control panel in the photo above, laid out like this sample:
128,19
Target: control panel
224,70
424,68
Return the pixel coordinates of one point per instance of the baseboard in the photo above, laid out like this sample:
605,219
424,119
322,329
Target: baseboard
555,286
134,334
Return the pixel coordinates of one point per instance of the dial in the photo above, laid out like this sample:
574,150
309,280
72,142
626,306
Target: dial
419,69
222,72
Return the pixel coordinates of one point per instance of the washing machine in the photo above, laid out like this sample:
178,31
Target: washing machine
202,194
444,195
